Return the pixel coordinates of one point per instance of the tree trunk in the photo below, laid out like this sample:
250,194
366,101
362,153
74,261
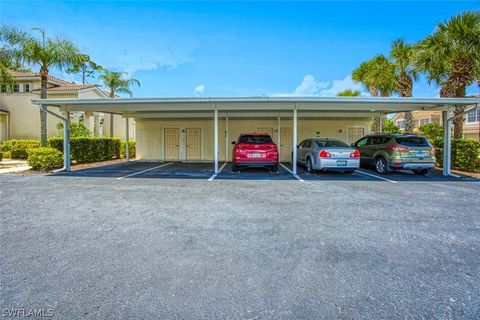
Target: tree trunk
112,95
458,123
405,87
43,114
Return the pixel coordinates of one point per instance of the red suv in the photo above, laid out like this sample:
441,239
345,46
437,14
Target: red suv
255,150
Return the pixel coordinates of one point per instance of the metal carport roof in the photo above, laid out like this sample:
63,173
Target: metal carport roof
307,106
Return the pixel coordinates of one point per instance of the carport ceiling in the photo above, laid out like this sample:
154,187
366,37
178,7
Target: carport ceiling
353,106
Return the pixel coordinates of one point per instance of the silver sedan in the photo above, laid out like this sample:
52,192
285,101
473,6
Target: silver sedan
327,154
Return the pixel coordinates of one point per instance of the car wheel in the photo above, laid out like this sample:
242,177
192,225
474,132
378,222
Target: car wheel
274,168
381,166
421,172
308,165
349,171
235,168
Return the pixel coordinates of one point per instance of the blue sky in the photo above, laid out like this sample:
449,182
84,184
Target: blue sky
235,48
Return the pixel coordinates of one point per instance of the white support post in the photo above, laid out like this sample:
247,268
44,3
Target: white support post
294,144
127,147
278,135
380,124
66,142
226,139
215,139
447,142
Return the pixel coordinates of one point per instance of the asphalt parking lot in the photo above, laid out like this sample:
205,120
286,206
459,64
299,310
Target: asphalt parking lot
96,244
204,171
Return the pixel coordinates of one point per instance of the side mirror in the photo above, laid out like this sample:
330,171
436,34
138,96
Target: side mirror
233,142
298,146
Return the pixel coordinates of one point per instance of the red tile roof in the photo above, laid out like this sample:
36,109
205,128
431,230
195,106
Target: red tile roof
58,84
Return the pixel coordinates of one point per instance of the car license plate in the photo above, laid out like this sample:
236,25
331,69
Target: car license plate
255,155
420,154
341,163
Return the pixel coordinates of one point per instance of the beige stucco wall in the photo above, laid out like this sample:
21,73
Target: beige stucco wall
119,127
3,127
149,133
25,117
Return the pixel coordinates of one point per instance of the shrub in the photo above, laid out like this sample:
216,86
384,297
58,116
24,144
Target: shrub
85,149
7,154
1,156
131,148
465,153
44,159
390,127
77,129
431,131
18,148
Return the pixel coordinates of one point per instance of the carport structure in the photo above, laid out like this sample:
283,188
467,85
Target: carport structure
291,108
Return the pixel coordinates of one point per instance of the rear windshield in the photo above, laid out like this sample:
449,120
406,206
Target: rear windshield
255,139
412,141
331,144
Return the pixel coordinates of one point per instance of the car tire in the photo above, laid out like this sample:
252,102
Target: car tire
308,165
381,166
421,172
274,168
235,168
349,171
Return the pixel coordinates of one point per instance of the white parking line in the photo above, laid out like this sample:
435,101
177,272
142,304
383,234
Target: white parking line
216,174
378,177
143,171
296,176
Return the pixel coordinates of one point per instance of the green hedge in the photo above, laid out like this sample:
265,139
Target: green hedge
86,149
1,156
18,148
132,147
465,154
44,159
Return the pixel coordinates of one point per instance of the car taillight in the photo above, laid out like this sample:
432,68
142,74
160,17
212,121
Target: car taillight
397,148
324,154
355,154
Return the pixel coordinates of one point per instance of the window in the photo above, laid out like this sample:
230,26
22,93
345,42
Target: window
16,88
26,87
378,140
424,121
255,139
401,124
473,116
307,143
413,141
361,142
331,144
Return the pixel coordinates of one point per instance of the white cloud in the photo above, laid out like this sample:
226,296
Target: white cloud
312,87
199,88
340,85
308,87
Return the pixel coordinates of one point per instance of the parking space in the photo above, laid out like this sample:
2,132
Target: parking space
254,174
205,171
147,169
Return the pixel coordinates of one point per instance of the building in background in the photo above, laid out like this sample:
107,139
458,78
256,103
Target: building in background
471,125
20,119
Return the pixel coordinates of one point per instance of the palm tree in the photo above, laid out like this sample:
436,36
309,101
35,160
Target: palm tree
449,57
379,78
45,53
117,82
349,93
403,58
